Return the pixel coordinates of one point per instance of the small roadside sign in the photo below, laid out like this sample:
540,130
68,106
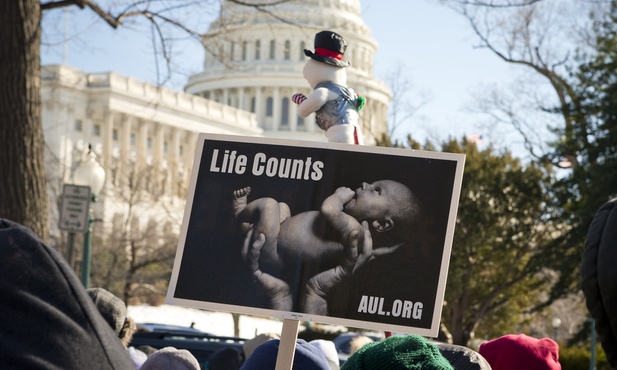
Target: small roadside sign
74,208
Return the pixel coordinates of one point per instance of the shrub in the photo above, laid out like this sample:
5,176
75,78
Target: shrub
577,358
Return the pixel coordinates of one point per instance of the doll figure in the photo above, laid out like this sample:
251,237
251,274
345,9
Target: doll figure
335,105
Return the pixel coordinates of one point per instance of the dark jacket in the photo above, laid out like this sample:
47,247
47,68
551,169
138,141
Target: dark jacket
599,276
47,320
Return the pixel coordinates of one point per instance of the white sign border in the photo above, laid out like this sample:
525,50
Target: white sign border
430,332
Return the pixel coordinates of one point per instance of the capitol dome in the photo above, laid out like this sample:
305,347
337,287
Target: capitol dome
254,59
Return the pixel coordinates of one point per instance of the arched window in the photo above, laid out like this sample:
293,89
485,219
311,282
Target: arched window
302,47
244,46
287,51
257,50
232,51
269,107
253,104
285,112
272,49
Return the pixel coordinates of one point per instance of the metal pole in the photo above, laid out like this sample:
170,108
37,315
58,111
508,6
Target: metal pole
592,359
71,247
555,334
85,261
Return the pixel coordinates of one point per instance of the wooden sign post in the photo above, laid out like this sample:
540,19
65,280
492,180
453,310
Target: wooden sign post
287,346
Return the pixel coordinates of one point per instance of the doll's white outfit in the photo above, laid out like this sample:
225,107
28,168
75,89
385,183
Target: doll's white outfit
339,117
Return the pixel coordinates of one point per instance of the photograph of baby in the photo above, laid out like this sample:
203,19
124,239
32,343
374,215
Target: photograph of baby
338,233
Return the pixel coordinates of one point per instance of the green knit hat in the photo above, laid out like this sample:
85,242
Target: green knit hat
411,352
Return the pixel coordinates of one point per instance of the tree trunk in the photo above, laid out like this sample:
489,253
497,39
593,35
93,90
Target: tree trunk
23,193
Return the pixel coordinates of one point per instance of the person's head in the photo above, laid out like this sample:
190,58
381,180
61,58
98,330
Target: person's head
249,346
225,359
411,352
114,312
463,358
307,357
328,348
40,290
138,356
358,342
384,204
521,351
170,358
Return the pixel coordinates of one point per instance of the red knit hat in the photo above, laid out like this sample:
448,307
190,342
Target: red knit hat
515,352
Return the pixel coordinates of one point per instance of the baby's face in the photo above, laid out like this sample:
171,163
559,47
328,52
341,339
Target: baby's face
372,201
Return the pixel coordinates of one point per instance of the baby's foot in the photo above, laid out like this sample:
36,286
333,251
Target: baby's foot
240,199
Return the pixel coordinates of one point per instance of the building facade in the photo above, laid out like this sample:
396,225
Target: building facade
254,62
253,65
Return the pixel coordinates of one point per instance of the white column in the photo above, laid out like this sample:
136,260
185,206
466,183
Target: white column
225,96
66,146
175,161
142,145
159,158
125,139
124,163
241,98
276,108
159,140
293,116
87,129
259,107
108,127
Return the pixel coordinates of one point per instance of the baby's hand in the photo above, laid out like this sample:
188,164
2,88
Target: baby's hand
344,194
298,98
334,205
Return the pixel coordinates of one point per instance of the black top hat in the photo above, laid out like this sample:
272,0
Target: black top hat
329,48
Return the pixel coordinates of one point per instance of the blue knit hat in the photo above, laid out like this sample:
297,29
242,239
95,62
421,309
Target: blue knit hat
307,357
411,352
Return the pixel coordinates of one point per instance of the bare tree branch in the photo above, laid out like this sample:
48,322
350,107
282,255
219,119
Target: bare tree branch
530,34
61,4
496,4
405,102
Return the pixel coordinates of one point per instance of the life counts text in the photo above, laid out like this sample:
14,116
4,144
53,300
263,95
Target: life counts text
229,161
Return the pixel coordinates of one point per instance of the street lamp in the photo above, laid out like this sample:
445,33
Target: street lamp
89,173
556,324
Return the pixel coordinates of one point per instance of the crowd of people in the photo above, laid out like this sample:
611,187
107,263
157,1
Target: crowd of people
50,321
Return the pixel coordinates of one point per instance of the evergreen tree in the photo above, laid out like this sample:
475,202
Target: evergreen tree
591,149
497,269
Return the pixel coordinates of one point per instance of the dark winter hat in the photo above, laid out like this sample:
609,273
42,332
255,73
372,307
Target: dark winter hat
48,319
225,359
521,351
307,357
329,48
410,352
463,358
111,308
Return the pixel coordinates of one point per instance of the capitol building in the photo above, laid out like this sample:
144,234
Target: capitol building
253,65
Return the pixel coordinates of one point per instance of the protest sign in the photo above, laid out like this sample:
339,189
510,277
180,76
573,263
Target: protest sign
273,227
